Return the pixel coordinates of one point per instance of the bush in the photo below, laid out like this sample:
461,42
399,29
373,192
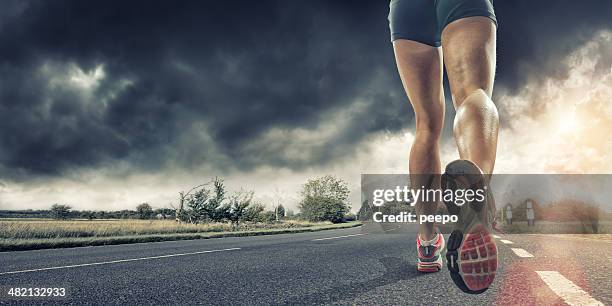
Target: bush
350,217
239,204
208,205
253,212
267,217
212,204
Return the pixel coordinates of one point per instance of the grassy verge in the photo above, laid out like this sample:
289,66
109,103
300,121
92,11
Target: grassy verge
566,227
71,238
51,229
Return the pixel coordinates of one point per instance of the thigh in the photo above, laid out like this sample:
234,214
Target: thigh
469,55
420,68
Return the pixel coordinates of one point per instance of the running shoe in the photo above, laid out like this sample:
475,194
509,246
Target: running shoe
471,251
430,254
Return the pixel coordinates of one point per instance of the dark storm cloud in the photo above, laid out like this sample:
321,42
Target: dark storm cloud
194,82
534,36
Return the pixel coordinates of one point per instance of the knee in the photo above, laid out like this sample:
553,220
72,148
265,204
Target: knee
478,101
429,122
429,129
469,95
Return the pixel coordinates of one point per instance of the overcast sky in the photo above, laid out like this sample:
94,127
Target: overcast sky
106,104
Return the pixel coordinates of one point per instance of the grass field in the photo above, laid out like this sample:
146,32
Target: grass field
25,234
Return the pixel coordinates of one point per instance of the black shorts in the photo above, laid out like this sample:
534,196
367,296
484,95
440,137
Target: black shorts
424,20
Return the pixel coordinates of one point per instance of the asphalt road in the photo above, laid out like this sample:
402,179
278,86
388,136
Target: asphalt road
349,266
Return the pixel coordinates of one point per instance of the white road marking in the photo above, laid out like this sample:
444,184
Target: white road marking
504,241
116,261
566,289
328,238
496,237
388,230
521,252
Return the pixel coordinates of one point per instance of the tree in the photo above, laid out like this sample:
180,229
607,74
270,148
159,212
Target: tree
144,211
325,199
207,204
365,212
90,215
127,214
100,214
60,212
216,207
238,206
181,214
197,205
280,212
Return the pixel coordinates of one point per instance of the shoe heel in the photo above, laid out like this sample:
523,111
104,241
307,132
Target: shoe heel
452,256
454,242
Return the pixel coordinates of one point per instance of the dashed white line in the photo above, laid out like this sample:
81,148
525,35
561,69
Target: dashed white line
504,241
329,238
566,289
496,237
521,252
393,229
117,261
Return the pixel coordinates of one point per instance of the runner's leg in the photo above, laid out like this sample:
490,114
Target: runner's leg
420,68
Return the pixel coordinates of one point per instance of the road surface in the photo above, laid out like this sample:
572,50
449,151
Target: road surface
340,267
